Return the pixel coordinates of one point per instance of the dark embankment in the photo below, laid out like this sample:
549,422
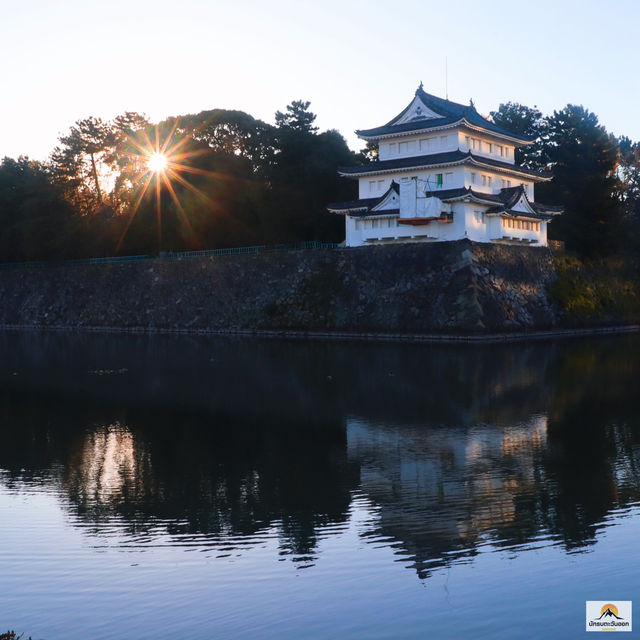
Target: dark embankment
457,287
601,292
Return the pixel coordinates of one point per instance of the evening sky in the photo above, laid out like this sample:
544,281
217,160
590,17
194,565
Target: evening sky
357,61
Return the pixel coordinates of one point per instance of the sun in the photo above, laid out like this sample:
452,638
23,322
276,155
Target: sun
161,166
157,162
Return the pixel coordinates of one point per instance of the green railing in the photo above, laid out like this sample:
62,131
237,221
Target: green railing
263,248
178,255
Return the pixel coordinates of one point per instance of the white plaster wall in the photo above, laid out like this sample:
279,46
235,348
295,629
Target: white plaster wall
453,178
494,229
380,230
380,185
418,144
496,182
540,237
475,222
466,224
460,176
465,144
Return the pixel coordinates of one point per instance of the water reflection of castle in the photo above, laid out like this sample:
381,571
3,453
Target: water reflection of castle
442,489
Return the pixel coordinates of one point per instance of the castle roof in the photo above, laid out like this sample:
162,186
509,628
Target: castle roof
427,112
448,158
501,203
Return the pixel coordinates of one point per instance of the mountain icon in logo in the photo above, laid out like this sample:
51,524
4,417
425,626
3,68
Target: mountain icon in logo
609,611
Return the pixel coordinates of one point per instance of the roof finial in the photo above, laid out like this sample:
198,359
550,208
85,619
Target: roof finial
421,85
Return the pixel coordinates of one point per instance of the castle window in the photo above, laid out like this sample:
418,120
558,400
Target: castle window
439,180
424,144
490,145
392,148
380,185
489,179
448,178
372,186
443,141
473,177
403,147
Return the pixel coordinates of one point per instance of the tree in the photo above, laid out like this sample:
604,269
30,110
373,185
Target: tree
232,133
297,117
35,218
303,175
584,159
371,152
528,122
629,196
79,161
126,161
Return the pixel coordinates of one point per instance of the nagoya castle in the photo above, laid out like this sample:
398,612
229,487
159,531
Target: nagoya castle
444,172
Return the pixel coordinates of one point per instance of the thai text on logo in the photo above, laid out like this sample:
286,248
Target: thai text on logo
608,615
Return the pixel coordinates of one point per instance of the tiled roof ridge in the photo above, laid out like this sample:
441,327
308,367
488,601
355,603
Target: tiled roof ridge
453,113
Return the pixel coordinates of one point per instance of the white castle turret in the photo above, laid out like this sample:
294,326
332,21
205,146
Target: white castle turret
444,172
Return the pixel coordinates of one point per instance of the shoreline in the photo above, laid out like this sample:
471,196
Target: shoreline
521,336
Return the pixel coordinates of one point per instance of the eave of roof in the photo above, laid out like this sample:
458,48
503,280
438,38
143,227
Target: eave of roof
439,159
364,204
436,124
352,205
512,213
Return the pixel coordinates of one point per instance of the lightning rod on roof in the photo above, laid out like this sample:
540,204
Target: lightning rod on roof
446,77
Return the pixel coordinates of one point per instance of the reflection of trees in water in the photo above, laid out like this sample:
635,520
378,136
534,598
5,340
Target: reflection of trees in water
178,474
595,424
228,438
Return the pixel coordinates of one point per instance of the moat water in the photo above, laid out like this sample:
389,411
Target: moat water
198,488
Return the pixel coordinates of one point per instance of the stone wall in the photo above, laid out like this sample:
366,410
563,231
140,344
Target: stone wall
412,288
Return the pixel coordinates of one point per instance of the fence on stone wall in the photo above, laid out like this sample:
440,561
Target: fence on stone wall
177,255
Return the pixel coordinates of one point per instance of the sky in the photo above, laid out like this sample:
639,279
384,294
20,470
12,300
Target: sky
357,62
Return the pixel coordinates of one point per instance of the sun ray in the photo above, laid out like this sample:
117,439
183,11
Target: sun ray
176,201
134,210
188,185
201,172
159,211
168,138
